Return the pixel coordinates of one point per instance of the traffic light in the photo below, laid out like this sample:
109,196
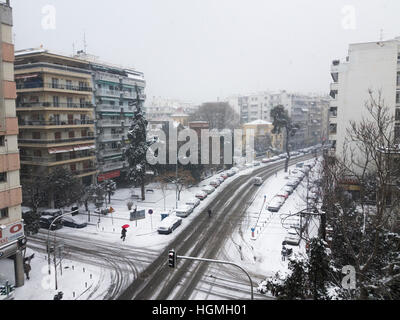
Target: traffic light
172,258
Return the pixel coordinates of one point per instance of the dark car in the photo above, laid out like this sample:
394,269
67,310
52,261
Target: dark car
46,221
72,222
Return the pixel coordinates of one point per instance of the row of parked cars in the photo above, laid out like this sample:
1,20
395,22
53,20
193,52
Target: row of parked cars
47,216
174,220
294,180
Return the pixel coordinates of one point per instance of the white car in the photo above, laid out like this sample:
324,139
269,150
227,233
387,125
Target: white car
169,224
184,211
221,180
275,204
201,195
215,183
288,189
235,169
193,203
256,163
266,160
292,239
248,165
208,189
258,181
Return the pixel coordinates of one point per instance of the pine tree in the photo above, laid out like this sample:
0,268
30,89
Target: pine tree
138,145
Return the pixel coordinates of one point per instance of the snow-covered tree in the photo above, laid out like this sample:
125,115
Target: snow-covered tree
282,122
138,144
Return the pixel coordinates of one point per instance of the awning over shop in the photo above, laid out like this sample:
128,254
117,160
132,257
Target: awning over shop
110,114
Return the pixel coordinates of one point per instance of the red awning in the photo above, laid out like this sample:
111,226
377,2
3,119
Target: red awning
109,175
84,147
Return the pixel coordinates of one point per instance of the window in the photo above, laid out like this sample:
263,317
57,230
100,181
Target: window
56,101
398,97
84,133
71,134
3,177
57,135
54,83
2,141
397,116
36,135
37,153
69,84
4,213
69,102
73,167
82,102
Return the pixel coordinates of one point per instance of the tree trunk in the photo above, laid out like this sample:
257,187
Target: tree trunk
143,192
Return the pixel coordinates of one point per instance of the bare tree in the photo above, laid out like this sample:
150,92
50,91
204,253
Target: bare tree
359,189
219,115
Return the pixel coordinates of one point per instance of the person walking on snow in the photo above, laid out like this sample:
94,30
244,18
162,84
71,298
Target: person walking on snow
123,234
283,253
209,213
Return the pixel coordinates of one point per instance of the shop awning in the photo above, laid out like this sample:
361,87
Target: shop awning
111,114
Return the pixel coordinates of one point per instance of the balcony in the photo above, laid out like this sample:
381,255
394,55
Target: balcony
113,166
110,123
55,141
51,105
109,152
33,124
58,159
53,87
108,93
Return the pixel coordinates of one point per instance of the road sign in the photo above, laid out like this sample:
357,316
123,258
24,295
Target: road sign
150,211
138,215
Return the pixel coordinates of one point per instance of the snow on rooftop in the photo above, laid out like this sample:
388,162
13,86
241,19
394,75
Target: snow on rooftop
259,122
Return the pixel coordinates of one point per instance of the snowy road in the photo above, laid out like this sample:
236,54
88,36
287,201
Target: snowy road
204,238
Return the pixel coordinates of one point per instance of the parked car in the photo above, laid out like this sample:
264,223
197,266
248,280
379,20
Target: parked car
230,173
184,211
46,221
282,156
224,175
215,183
208,189
51,212
221,180
235,169
169,224
282,193
288,189
249,165
201,195
266,160
256,163
193,203
73,222
292,239
275,204
258,181
292,183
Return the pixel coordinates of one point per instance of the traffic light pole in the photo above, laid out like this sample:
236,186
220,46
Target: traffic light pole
221,262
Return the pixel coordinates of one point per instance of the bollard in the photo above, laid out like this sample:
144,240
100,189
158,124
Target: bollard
90,276
73,268
83,269
85,284
73,294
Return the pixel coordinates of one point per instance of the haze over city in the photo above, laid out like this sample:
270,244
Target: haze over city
203,50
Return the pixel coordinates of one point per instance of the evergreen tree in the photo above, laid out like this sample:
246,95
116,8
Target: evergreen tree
138,144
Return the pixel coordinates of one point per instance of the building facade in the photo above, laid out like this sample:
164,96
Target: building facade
55,114
11,225
369,66
114,92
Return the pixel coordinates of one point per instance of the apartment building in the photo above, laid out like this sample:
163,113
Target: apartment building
310,112
11,225
114,91
55,114
369,66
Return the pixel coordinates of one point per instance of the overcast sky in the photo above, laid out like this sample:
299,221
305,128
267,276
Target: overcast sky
199,50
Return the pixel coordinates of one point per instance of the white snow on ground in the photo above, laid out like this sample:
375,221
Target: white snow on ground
261,255
76,284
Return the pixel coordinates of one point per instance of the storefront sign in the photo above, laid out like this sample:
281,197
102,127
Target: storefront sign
11,233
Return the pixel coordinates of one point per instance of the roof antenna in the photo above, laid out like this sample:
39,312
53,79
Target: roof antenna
84,42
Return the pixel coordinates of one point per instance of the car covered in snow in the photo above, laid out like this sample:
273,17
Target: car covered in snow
256,163
275,204
224,175
201,195
266,160
169,224
51,212
221,180
248,165
193,203
208,189
288,189
73,222
292,238
46,221
215,183
184,211
282,193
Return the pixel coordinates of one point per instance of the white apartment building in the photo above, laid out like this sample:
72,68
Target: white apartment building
369,66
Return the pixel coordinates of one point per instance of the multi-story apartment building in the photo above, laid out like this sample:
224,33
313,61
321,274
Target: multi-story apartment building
11,226
114,90
369,66
55,114
309,111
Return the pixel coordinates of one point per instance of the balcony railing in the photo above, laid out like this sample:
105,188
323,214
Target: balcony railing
52,105
110,137
34,85
75,122
59,158
55,141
